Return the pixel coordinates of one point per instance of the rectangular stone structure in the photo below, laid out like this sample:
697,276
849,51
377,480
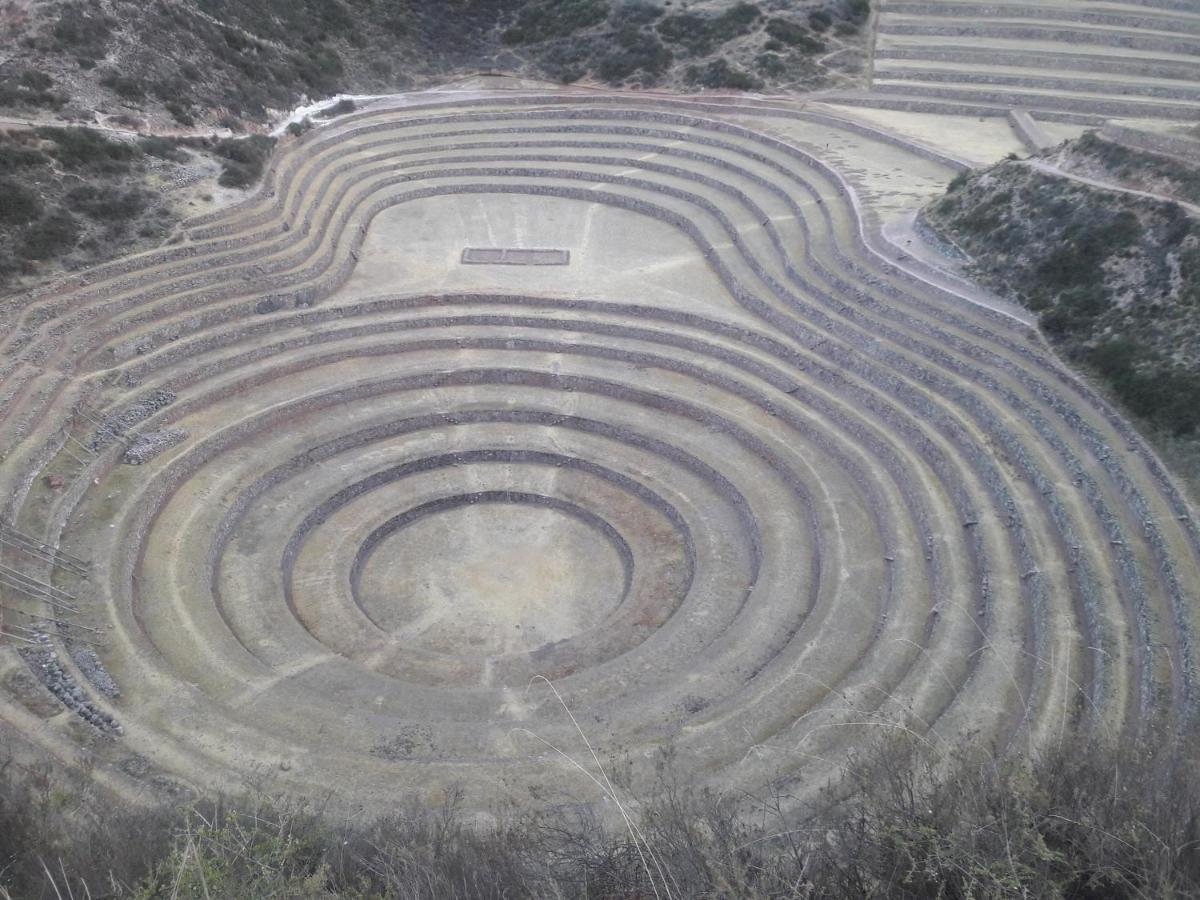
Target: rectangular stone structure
513,256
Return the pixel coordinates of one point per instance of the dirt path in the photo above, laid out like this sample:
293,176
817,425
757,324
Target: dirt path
906,243
1051,169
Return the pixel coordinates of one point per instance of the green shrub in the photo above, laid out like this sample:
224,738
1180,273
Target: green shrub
786,30
50,236
319,68
18,203
700,34
30,88
636,50
820,20
1075,259
38,81
857,11
794,34
543,20
738,17
162,148
83,28
341,108
636,12
169,88
244,159
1163,394
124,120
234,855
123,85
10,265
107,203
566,60
235,40
327,62
770,64
720,74
1055,321
77,148
180,113
1189,274
14,155
689,29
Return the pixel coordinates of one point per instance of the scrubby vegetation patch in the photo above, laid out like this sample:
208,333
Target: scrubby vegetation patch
220,62
1114,277
1083,821
244,159
75,196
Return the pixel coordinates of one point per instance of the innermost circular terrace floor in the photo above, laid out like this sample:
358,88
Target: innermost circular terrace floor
492,578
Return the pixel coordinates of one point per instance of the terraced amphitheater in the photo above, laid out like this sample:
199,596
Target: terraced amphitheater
350,488
1061,60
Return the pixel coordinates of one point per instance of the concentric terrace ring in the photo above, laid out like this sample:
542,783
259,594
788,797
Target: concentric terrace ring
730,482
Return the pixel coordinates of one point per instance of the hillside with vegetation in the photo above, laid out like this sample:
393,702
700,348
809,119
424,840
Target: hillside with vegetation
179,64
1094,156
1114,277
112,104
72,197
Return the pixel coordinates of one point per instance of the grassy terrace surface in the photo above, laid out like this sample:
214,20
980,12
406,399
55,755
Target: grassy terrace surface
826,498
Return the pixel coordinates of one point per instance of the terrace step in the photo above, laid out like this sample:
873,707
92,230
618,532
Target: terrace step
770,451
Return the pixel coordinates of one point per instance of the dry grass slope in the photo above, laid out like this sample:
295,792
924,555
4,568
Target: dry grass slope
1084,822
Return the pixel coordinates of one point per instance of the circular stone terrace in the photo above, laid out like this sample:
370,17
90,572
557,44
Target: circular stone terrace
716,474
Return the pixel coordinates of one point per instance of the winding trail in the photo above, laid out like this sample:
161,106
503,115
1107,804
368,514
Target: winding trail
1051,169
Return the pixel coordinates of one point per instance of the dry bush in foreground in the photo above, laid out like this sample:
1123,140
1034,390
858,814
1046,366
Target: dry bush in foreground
1085,821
